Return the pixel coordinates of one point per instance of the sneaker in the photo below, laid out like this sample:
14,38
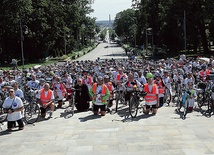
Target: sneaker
50,115
43,115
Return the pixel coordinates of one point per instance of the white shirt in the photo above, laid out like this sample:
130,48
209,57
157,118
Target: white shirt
98,95
33,84
67,81
19,93
142,80
167,82
186,81
13,104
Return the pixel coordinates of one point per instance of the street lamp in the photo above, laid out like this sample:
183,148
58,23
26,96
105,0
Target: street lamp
184,29
22,40
151,33
65,41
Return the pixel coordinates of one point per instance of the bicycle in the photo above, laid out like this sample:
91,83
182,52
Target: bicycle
119,98
135,101
3,95
32,108
209,98
71,106
177,93
184,102
167,96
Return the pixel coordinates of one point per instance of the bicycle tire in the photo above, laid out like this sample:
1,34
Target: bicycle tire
185,109
179,100
72,107
200,101
31,113
209,107
133,106
168,97
117,101
3,115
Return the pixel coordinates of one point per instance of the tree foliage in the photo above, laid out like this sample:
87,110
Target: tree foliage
49,22
125,25
166,20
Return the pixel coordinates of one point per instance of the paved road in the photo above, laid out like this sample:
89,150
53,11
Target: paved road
105,51
86,134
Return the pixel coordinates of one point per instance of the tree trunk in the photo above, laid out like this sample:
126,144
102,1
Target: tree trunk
202,28
203,36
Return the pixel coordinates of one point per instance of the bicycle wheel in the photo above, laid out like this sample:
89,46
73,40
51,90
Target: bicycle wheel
209,108
72,106
133,106
185,109
31,113
3,115
200,99
167,96
119,100
179,102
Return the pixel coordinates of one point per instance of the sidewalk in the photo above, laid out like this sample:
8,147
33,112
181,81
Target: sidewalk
166,133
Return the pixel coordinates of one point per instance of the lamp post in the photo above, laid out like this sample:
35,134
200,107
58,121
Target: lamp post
65,41
146,29
22,40
184,29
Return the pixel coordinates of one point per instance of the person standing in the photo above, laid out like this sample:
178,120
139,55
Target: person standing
100,94
13,106
87,79
82,96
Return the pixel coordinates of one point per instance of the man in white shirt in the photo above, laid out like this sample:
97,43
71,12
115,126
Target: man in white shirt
141,78
13,106
34,83
189,79
18,92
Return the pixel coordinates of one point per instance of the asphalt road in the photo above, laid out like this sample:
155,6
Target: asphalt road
105,51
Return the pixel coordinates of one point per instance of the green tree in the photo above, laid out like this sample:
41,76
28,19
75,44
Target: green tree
125,25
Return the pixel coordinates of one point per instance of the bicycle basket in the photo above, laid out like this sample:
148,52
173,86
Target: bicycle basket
210,76
202,85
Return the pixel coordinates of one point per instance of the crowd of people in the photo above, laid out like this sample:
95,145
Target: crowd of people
95,83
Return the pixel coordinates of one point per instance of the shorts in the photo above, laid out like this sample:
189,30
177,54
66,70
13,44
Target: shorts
97,107
10,124
151,106
43,110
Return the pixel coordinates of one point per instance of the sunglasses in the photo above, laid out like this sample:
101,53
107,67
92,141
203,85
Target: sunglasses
11,91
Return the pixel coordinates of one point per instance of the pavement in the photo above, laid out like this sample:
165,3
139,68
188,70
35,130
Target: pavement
105,51
116,133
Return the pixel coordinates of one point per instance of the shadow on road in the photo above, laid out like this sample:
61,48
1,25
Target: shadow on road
121,54
124,112
5,132
90,117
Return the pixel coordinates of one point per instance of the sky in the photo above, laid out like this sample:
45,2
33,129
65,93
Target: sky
102,8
